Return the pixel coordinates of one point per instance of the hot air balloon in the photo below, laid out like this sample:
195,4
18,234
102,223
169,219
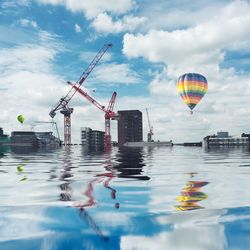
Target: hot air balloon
20,118
192,87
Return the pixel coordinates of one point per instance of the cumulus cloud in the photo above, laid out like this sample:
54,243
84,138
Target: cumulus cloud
194,47
162,84
104,23
106,17
91,8
34,58
173,15
31,87
78,28
30,82
198,49
201,49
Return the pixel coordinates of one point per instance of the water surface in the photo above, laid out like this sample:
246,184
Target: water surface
130,198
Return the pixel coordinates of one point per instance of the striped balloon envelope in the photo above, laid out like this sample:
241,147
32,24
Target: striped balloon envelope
192,87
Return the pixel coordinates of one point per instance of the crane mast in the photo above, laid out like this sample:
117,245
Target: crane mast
63,106
109,114
150,133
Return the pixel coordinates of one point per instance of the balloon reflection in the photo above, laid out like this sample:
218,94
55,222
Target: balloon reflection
191,195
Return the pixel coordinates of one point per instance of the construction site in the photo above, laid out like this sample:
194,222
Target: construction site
66,110
130,125
130,122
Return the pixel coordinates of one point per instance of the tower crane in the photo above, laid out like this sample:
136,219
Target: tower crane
150,133
63,104
109,113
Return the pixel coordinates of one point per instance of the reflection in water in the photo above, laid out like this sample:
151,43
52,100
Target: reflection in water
91,222
65,187
35,215
23,150
4,150
191,195
91,151
105,179
131,163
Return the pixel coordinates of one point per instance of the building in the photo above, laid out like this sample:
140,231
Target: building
47,139
92,139
24,138
222,134
4,139
223,139
129,126
33,139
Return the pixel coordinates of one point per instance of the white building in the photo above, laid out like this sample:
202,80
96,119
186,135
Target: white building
223,139
93,139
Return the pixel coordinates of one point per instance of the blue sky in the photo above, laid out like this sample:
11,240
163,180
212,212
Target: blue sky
45,43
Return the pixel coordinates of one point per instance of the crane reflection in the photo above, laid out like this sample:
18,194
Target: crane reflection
90,201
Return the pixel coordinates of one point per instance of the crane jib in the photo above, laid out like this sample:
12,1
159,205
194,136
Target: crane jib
63,103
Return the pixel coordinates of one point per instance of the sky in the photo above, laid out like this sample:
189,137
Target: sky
45,43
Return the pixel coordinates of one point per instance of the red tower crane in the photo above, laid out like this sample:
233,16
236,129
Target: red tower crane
109,113
63,104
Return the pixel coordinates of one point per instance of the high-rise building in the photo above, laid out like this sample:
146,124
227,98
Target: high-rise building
129,126
93,139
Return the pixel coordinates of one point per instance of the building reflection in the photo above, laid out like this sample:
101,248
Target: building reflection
4,150
130,163
91,150
191,195
23,150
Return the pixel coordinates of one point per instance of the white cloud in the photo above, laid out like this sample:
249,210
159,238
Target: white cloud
28,23
34,58
100,13
32,88
104,23
197,47
162,84
88,56
91,8
78,28
179,238
13,4
116,73
31,85
172,15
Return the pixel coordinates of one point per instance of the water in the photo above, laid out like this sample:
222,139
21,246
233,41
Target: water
135,198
